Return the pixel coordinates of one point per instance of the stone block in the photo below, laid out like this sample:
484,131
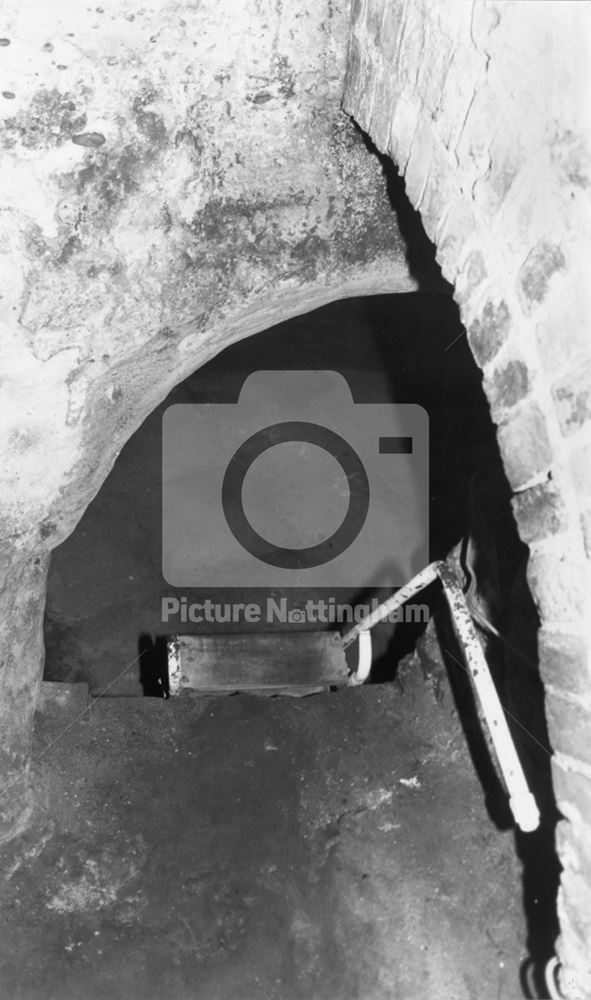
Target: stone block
540,511
572,789
562,329
505,385
569,726
489,332
491,190
524,443
572,396
535,274
573,841
559,585
565,661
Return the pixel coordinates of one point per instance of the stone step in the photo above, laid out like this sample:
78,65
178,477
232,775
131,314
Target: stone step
296,663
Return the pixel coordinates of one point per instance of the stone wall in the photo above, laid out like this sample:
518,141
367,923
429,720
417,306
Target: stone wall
484,107
174,177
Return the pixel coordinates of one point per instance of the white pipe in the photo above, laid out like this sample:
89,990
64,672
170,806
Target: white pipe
404,594
174,666
522,803
364,662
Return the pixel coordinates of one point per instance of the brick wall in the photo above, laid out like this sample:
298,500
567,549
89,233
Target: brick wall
484,108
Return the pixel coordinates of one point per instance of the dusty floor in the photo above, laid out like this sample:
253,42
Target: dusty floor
330,848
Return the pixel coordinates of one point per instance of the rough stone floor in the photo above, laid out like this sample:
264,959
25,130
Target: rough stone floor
327,848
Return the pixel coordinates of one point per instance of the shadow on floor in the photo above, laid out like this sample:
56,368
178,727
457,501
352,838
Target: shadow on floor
153,662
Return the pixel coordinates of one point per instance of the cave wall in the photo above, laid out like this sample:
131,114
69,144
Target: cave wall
484,108
174,177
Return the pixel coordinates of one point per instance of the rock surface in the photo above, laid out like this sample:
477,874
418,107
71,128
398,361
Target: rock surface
174,177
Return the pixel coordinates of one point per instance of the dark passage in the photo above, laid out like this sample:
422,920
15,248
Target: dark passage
106,582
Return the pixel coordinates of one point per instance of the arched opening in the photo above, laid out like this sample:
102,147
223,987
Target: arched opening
106,583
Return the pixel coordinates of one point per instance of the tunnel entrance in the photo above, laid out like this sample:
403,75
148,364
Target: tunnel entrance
106,591
104,626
